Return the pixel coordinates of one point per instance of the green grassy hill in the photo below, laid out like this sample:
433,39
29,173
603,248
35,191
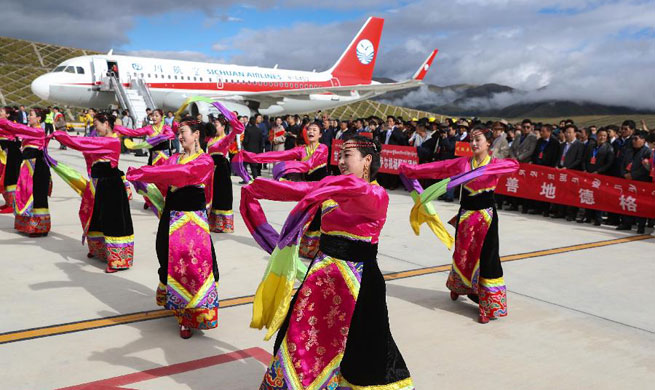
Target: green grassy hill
22,61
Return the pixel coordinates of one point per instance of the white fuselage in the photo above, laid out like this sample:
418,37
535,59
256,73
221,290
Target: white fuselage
77,81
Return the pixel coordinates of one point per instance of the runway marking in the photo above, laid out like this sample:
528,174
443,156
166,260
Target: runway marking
115,383
54,330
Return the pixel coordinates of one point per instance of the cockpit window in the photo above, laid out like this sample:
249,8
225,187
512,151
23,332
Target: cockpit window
70,69
59,69
79,69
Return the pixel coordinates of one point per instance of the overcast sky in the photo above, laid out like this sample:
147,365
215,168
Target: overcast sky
601,51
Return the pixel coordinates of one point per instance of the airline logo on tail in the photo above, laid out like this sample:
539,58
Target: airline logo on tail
355,66
365,51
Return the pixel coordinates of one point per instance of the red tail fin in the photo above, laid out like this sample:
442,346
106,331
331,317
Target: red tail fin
355,66
423,70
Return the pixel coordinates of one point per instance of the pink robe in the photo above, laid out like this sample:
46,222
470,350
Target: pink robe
188,272
32,214
105,202
476,267
341,300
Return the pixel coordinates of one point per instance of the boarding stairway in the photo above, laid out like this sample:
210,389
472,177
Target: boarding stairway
136,98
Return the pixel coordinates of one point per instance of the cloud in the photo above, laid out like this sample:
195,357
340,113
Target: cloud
95,24
579,50
603,53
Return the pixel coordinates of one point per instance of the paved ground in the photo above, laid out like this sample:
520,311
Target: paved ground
579,315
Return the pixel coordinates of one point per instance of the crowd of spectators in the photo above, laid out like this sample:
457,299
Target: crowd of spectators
624,151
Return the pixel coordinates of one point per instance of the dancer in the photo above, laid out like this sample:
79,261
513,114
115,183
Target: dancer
157,141
10,159
476,270
308,163
221,216
334,333
105,209
32,215
188,282
157,137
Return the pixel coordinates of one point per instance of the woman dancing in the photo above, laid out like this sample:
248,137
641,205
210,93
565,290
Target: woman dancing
32,215
476,270
105,209
306,163
188,282
157,137
221,216
10,159
334,333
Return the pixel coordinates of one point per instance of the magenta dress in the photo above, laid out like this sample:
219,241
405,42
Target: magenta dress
9,166
336,332
188,272
105,209
221,216
476,267
156,140
32,214
304,163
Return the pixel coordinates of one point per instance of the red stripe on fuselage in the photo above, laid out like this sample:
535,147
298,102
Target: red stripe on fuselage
231,87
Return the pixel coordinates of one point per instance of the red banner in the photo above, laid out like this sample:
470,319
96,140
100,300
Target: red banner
391,156
580,189
463,149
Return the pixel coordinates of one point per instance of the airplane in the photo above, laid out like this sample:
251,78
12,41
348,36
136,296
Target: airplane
83,81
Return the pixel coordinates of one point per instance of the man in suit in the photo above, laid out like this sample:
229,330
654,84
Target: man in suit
570,157
598,159
293,133
545,154
22,115
635,166
521,149
499,146
253,142
392,136
620,144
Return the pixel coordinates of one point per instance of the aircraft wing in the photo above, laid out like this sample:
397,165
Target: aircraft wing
271,97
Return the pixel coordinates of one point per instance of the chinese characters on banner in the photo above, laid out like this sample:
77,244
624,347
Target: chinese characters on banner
463,149
390,158
580,189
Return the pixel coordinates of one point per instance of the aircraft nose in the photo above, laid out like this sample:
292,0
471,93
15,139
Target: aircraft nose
41,87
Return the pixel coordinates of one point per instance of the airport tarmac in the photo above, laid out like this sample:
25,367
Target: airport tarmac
580,315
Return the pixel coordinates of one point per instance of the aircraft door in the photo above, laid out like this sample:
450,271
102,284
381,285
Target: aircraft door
219,83
335,82
99,66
